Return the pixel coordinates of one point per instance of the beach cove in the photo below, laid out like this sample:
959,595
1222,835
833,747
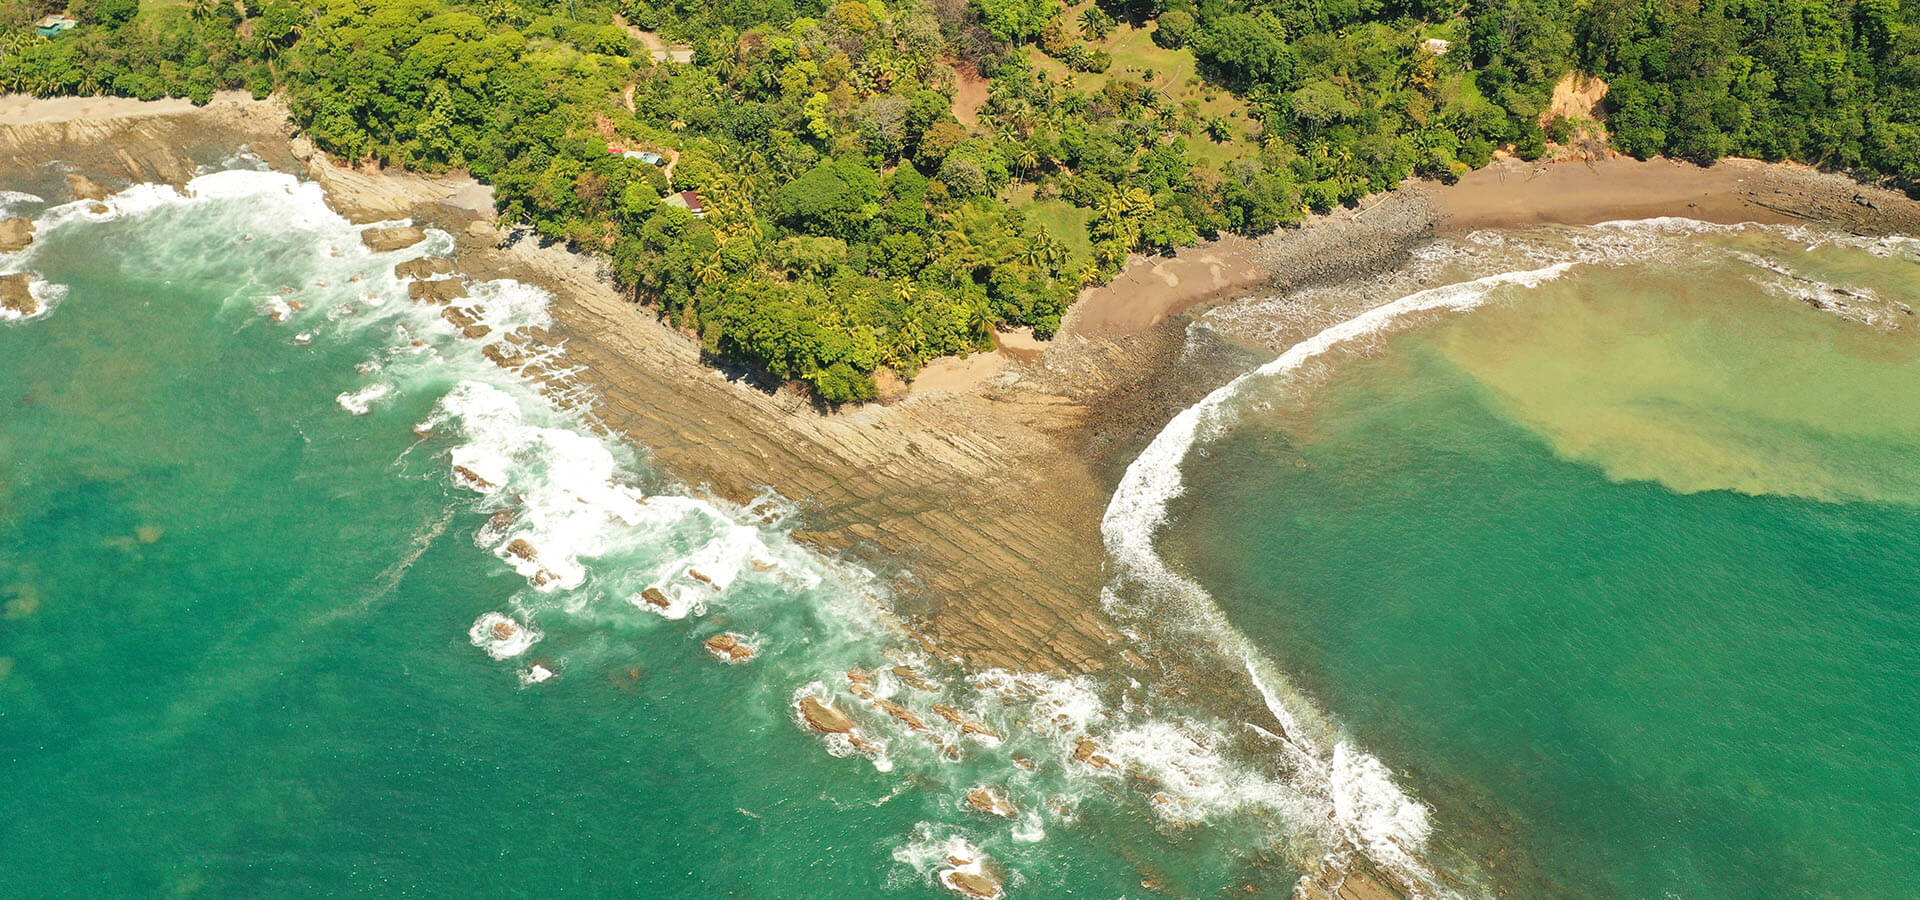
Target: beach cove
981,507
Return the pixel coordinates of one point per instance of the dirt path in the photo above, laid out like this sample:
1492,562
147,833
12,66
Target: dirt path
659,49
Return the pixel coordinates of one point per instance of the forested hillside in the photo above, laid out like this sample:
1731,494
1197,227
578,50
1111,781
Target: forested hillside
878,183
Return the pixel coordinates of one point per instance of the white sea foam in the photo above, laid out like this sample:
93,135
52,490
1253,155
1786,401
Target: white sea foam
937,853
501,636
361,402
1057,706
12,203
1373,812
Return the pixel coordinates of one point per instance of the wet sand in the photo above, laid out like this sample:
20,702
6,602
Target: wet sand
977,496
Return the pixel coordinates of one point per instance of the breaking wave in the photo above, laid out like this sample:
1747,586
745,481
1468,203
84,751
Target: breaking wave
1353,790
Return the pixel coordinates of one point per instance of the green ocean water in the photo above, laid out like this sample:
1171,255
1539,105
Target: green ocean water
1619,573
240,572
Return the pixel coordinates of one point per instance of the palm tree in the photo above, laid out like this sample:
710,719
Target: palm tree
1096,24
1025,159
711,270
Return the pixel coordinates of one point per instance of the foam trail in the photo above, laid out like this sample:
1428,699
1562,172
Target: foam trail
1368,810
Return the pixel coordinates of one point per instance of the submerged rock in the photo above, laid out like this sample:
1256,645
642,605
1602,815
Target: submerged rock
16,295
729,647
992,801
387,240
915,680
822,717
904,715
472,479
967,723
15,234
1088,751
971,873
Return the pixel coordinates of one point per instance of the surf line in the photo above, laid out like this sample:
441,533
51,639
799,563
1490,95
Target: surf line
1369,812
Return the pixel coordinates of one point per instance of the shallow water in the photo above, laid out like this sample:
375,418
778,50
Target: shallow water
261,514
1620,567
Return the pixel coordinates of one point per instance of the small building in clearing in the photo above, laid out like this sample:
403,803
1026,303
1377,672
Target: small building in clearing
50,25
1436,46
689,201
646,156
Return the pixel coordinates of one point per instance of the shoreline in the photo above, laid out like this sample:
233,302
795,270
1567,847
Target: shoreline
980,500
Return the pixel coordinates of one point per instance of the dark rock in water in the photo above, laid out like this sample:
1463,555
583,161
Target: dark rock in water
904,715
85,188
656,597
984,885
914,680
1088,751
461,316
992,801
15,234
730,647
520,548
423,268
824,718
387,240
968,724
16,294
504,357
472,479
441,291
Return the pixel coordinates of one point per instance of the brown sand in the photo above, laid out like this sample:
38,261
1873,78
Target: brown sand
983,502
1150,289
1513,192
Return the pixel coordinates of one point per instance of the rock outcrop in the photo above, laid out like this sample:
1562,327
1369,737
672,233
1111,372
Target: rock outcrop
16,295
387,240
15,234
730,647
967,723
85,188
423,268
822,717
440,290
992,801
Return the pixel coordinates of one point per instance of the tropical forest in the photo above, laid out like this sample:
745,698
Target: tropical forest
821,190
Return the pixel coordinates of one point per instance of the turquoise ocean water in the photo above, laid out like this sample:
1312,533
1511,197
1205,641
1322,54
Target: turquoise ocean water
1613,558
303,596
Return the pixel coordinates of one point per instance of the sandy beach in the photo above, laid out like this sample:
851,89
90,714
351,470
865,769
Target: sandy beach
979,491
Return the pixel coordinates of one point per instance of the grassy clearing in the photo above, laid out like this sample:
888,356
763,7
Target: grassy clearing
1061,220
1173,72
